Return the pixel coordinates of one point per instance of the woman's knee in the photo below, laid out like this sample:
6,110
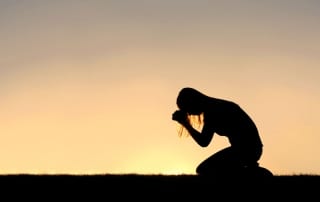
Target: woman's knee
200,169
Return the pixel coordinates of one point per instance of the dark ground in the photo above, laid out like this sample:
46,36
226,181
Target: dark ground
111,187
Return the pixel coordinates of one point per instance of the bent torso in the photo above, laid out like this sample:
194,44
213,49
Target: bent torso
228,119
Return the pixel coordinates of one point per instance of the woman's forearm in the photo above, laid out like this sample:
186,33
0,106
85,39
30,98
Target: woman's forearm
197,136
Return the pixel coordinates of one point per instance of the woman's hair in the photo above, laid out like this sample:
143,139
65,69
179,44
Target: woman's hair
196,122
190,97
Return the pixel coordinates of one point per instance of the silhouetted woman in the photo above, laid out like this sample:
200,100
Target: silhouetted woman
224,118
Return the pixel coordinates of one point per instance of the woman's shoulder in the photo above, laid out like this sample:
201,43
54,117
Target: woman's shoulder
220,102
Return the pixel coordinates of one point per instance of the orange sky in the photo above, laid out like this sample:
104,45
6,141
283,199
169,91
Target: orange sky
89,86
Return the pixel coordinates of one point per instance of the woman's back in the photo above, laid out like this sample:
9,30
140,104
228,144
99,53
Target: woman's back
229,119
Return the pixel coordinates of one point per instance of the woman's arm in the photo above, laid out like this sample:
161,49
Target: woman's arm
202,138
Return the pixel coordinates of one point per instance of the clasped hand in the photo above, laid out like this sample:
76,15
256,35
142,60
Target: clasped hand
180,116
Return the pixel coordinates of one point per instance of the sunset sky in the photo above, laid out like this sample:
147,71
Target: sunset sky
89,87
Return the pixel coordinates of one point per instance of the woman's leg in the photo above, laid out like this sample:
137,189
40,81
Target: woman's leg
223,161
249,157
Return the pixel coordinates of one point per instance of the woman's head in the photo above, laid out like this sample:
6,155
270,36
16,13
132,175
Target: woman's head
191,101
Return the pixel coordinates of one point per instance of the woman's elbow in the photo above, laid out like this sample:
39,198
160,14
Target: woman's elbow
203,143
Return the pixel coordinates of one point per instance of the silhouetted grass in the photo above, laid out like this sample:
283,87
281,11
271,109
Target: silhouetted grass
115,187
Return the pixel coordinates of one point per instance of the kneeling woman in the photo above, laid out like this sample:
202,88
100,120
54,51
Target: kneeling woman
224,118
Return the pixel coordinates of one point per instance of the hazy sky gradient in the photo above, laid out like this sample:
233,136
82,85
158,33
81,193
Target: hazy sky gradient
89,86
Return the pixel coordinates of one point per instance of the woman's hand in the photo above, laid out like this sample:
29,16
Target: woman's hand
180,116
